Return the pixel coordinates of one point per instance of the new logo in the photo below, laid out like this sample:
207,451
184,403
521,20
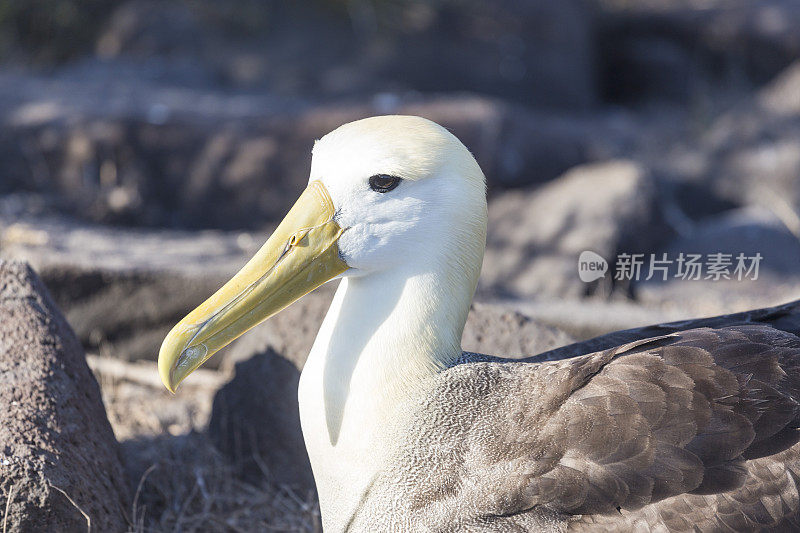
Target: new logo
591,266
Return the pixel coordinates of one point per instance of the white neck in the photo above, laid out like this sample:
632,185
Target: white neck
384,335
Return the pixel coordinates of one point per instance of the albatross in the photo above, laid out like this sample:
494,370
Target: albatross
689,426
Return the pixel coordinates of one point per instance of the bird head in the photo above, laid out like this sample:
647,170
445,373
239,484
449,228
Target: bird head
389,193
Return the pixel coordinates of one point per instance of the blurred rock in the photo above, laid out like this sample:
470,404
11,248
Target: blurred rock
590,317
536,236
505,49
748,231
44,32
782,95
752,153
694,51
149,28
129,150
60,468
536,52
123,290
748,156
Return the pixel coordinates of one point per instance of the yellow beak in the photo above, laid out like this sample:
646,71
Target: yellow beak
300,256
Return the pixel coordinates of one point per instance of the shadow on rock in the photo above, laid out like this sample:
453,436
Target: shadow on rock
255,422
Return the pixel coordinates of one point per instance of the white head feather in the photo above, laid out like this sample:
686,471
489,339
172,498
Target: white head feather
437,214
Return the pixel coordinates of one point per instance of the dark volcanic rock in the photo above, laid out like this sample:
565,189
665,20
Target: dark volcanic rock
533,51
681,50
147,28
536,52
536,236
506,332
255,420
747,231
753,152
748,156
55,441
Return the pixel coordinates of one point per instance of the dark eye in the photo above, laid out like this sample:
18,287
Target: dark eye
383,182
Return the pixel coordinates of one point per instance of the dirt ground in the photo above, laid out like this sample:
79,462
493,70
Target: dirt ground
179,481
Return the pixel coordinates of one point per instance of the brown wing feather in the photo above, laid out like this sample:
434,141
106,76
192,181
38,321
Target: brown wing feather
695,427
679,426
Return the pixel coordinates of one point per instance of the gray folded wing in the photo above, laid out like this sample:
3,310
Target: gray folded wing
692,428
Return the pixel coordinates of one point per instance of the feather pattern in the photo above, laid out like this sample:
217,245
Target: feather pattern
694,429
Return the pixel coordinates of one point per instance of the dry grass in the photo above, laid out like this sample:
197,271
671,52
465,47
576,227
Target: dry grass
189,487
9,499
181,482
76,506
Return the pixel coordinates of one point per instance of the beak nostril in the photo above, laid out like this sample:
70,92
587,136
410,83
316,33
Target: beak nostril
295,239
